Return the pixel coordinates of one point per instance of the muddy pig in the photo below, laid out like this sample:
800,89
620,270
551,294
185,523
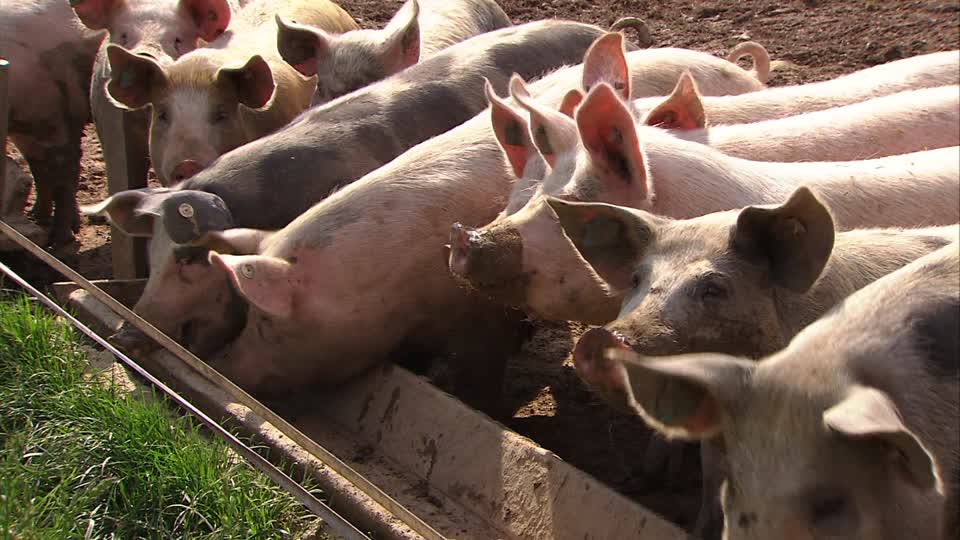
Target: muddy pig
14,192
849,432
159,29
923,71
740,282
219,97
268,182
668,176
51,59
419,29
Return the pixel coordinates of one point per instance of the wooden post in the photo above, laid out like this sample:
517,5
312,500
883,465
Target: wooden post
126,169
4,115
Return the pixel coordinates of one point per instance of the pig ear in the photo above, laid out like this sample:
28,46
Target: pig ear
96,14
609,134
511,131
134,79
570,102
868,415
682,109
401,48
795,237
266,282
132,211
234,241
252,82
610,238
301,46
552,132
684,396
212,17
605,61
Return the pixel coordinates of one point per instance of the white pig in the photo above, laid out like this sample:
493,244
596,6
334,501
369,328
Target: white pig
850,432
219,97
420,28
605,157
924,71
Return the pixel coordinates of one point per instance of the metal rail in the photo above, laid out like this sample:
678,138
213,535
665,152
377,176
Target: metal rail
335,523
242,397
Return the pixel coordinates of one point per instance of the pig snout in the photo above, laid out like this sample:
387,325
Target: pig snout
132,341
489,261
186,169
605,376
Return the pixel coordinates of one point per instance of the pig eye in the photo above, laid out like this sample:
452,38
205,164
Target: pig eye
177,44
832,514
162,116
218,116
711,288
124,38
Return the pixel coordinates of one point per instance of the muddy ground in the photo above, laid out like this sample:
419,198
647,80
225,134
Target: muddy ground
822,38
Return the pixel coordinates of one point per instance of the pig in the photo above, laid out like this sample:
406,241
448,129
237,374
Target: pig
159,29
15,189
51,60
420,29
219,97
848,432
326,148
923,71
671,177
900,123
440,164
740,282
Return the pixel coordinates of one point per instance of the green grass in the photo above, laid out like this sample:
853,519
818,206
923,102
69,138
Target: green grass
82,459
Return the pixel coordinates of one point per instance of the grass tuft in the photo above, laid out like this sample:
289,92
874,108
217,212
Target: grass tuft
80,458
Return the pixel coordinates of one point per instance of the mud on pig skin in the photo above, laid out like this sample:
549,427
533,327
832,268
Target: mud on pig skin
420,29
51,56
677,178
855,420
330,146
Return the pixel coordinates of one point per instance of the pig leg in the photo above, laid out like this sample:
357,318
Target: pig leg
709,524
56,173
480,348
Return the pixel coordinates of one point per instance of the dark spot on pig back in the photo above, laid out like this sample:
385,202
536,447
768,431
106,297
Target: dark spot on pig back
544,50
441,106
937,334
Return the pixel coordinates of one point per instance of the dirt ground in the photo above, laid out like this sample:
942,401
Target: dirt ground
822,38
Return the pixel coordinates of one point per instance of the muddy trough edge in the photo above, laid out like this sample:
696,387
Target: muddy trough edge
483,480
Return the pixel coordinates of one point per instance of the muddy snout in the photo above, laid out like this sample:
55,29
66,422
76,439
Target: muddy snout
490,261
186,169
131,340
603,375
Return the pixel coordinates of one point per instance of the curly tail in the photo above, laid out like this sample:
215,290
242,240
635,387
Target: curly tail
644,37
761,60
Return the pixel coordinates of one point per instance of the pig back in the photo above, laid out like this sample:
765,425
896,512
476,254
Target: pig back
268,182
447,22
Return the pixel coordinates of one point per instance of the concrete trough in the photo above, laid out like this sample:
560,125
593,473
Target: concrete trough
463,473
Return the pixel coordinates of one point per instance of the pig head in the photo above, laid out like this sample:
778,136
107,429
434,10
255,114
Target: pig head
184,298
850,432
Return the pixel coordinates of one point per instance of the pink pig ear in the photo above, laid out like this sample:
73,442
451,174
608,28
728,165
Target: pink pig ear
867,416
606,62
96,14
266,282
570,102
511,131
134,80
609,134
682,109
552,132
212,17
237,241
401,48
684,396
302,46
252,82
